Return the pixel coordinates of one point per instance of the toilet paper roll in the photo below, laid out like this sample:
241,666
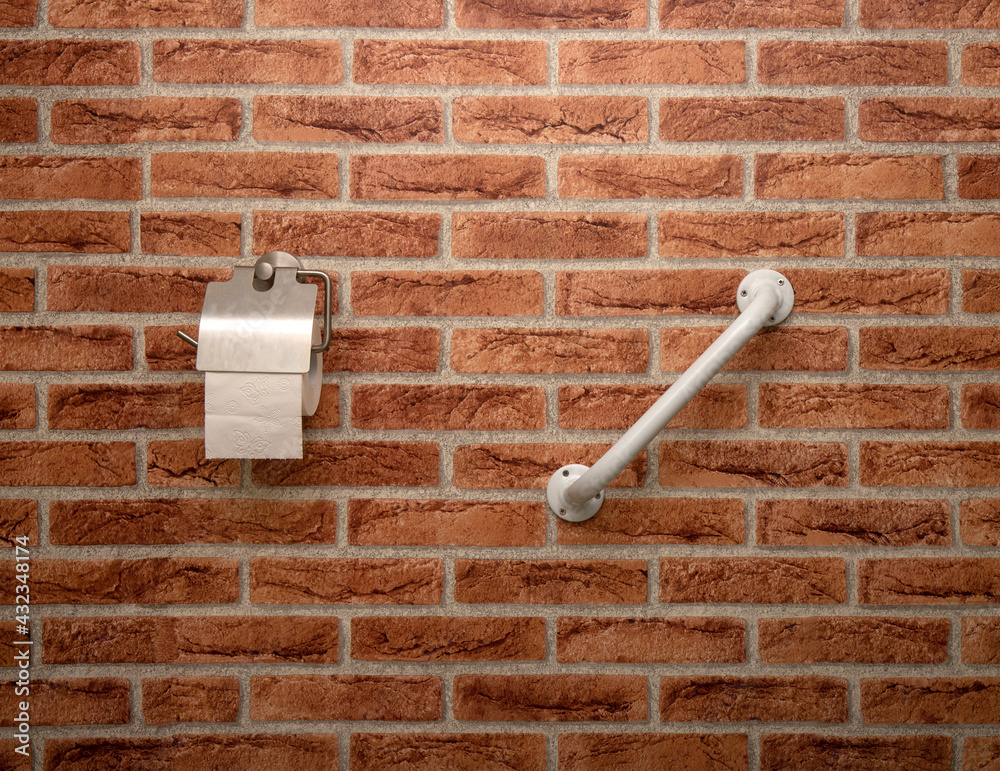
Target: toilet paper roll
259,414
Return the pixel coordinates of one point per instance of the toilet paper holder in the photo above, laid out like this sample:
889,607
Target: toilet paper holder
262,319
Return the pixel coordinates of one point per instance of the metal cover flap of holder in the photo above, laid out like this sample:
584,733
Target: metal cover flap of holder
244,330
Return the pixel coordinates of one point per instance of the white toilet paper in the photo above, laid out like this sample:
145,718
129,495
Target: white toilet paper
259,414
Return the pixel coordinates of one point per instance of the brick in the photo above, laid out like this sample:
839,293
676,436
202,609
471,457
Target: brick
867,290
550,119
981,64
17,405
981,406
19,119
527,466
347,234
751,119
980,521
930,349
980,753
736,699
135,289
538,14
929,581
892,753
69,701
147,119
650,640
69,63
929,464
446,177
7,647
607,751
930,14
391,349
549,351
847,176
54,177
450,62
153,581
928,234
94,406
190,639
447,639
868,63
182,463
281,752
369,119
930,700
739,14
410,464
619,407
757,580
429,752
314,62
853,405
980,640
129,289
420,14
702,521
345,697
978,177
298,581
447,293
650,176
647,292
548,235
67,464
18,13
797,349
653,62
190,234
327,413
549,698
753,463
18,518
408,522
17,290
191,520
853,522
65,231
444,408
929,119
558,582
853,640
67,348
751,234
199,699
127,14
245,175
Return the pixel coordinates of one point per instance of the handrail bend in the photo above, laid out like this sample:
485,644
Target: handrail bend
575,492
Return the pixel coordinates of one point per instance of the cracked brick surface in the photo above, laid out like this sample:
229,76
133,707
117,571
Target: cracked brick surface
534,215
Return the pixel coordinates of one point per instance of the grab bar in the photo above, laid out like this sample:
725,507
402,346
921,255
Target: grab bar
576,492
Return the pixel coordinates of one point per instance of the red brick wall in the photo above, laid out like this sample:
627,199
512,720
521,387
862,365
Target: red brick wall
536,213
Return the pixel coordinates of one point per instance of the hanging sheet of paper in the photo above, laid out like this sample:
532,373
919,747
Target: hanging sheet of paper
253,415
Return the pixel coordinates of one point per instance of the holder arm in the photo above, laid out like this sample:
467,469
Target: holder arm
575,492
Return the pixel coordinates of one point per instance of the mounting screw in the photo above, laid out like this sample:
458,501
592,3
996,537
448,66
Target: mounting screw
743,293
562,512
781,282
565,472
597,497
771,319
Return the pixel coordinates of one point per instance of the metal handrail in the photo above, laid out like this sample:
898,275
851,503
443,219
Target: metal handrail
576,492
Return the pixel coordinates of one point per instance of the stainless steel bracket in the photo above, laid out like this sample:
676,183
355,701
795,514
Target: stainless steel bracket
262,319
